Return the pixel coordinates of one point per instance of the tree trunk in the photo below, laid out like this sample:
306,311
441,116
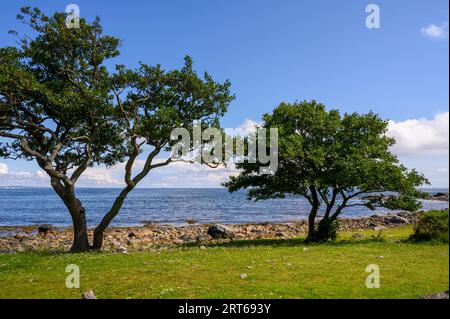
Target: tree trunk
77,212
100,229
80,235
311,224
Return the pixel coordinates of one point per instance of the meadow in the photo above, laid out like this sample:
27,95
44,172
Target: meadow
240,269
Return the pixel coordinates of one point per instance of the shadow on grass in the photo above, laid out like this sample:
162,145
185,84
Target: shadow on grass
291,242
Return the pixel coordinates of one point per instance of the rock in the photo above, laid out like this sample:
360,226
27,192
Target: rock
122,250
202,247
404,214
44,228
202,238
380,227
358,236
21,237
396,220
243,276
305,249
131,234
186,238
380,257
279,234
88,295
442,295
220,232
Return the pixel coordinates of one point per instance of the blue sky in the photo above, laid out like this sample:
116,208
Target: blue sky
275,51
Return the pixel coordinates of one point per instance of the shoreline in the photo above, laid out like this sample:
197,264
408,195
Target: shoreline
154,236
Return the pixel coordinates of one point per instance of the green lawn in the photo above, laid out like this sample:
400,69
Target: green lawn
275,269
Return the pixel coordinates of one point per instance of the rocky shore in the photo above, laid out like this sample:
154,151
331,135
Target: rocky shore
156,236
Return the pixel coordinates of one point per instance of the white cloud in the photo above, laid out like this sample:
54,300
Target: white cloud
435,32
442,170
99,177
421,136
248,126
3,169
16,178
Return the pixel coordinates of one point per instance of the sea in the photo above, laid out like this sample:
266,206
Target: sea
21,206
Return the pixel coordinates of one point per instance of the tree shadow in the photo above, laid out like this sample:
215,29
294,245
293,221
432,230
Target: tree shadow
289,242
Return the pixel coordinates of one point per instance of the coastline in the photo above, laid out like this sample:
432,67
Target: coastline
156,236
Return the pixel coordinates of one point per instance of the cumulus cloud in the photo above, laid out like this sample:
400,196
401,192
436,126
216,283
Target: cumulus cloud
16,178
248,126
100,176
433,31
182,174
3,169
421,136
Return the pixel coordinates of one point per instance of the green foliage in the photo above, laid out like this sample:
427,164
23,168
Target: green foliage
61,106
332,160
432,226
55,101
327,229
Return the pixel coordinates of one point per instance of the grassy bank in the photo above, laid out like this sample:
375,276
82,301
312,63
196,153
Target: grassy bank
274,269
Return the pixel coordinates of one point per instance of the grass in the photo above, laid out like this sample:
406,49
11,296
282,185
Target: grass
274,268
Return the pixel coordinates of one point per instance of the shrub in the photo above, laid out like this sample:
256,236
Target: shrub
327,230
432,225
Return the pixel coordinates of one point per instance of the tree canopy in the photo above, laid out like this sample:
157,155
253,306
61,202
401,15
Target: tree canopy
63,107
334,161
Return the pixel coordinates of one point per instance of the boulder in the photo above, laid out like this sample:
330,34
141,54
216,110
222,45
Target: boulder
44,228
395,220
220,232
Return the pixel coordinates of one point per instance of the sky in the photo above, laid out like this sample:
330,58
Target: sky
282,51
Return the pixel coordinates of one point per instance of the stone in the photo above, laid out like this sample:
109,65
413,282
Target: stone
396,220
44,228
442,295
88,295
220,232
243,276
122,250
202,238
131,234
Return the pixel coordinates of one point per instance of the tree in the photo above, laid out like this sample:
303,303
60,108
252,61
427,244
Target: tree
333,161
55,105
152,103
60,106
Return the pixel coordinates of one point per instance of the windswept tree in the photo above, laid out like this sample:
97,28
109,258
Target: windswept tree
152,102
60,106
56,107
334,161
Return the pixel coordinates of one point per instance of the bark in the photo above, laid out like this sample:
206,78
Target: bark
315,204
77,212
311,224
80,235
100,229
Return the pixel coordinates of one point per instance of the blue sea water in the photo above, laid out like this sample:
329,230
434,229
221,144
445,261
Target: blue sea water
29,206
